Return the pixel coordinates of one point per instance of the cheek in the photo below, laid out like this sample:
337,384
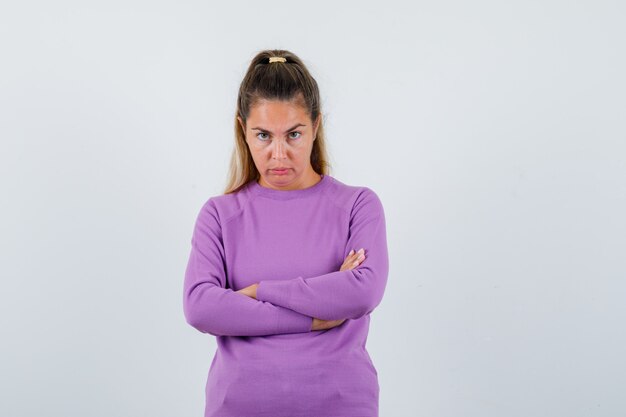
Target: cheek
257,149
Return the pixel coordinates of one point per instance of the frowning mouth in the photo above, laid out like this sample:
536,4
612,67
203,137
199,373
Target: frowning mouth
280,170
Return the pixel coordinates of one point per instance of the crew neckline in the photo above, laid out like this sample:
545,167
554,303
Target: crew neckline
258,189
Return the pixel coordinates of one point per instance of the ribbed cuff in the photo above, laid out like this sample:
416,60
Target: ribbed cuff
290,321
274,291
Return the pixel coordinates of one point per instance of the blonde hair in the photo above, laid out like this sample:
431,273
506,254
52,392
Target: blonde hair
289,81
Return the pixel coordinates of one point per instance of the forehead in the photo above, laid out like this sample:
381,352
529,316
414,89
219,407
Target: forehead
277,113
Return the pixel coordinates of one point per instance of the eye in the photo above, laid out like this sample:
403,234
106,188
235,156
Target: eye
261,133
300,134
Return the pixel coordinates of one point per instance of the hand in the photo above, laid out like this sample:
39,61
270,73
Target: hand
319,324
250,291
353,259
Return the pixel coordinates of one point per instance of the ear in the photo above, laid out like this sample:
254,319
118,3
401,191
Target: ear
317,125
242,125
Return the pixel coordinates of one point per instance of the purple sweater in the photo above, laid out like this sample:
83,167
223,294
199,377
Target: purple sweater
268,361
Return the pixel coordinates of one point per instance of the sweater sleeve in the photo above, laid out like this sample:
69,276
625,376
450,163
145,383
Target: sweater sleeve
210,307
348,294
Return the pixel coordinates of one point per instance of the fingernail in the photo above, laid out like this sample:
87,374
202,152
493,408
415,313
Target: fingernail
351,252
361,250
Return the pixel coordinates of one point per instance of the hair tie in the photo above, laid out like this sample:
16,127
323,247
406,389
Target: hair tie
277,59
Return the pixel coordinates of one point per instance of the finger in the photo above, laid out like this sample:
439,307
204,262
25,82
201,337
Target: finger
358,260
356,255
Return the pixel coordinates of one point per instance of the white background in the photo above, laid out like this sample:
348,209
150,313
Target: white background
493,132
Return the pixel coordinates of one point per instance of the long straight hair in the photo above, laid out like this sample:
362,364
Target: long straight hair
287,81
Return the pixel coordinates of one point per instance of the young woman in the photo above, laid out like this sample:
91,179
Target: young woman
287,265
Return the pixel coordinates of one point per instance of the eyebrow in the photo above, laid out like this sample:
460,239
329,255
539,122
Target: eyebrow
288,130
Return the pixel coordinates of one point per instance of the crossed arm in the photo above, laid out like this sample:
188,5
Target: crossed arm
353,259
212,308
285,306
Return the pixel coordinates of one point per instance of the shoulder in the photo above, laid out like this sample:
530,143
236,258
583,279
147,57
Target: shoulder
353,198
221,208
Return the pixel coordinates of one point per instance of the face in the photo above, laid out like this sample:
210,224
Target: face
280,134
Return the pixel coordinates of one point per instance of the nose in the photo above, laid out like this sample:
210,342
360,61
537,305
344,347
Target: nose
278,152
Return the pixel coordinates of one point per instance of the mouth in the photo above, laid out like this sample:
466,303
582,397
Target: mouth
279,170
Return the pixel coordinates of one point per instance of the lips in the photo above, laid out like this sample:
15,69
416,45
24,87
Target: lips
281,171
